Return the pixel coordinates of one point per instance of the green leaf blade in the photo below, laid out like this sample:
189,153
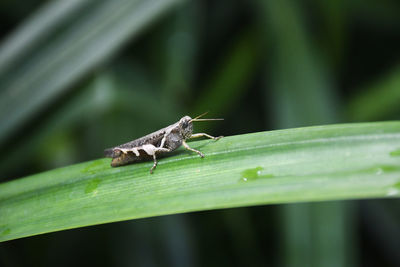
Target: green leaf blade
349,161
92,32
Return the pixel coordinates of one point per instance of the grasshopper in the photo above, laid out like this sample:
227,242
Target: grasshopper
162,141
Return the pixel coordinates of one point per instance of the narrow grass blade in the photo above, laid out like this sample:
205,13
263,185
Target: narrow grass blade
378,100
348,161
92,36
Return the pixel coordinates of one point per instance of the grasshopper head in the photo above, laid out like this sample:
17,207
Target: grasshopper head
186,126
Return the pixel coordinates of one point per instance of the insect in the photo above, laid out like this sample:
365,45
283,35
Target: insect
162,141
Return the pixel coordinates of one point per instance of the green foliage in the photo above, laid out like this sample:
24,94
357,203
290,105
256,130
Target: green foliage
378,100
81,75
71,38
304,164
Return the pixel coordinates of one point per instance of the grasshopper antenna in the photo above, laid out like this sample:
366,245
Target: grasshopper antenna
201,115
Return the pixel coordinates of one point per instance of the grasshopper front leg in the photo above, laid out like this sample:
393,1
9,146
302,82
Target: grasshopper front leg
192,149
197,136
205,135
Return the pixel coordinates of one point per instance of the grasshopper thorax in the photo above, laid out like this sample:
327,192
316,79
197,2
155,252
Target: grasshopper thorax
186,127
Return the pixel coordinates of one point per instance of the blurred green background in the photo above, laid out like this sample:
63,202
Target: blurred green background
78,76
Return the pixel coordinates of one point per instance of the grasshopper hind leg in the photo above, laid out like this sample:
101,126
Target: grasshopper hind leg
155,163
152,151
148,149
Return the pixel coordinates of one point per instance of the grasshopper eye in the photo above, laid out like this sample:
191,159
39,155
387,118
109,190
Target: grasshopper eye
185,124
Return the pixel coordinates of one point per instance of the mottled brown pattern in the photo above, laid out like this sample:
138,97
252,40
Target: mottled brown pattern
148,147
177,132
130,157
